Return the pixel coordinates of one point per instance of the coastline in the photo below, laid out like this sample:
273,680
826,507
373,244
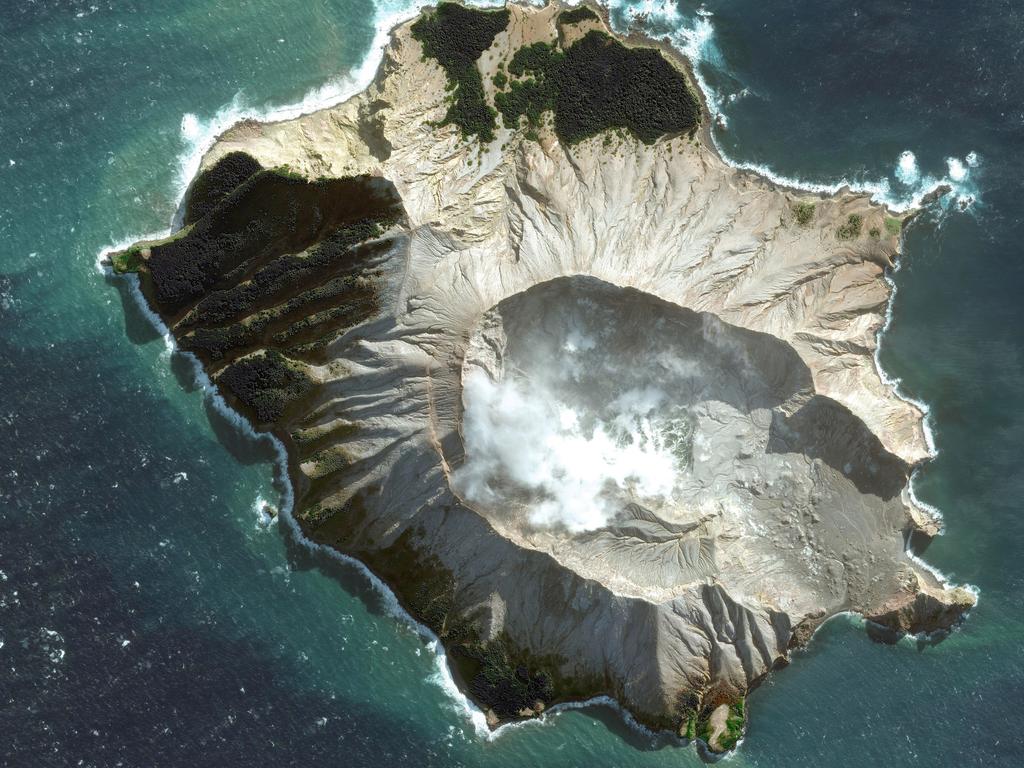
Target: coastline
444,676
763,175
921,194
339,90
287,113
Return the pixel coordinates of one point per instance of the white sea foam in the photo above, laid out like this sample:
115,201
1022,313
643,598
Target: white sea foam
695,41
442,678
906,168
941,577
198,136
263,513
390,602
894,385
52,644
442,675
957,171
961,191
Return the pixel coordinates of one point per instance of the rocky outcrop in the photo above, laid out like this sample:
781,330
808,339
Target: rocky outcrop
345,276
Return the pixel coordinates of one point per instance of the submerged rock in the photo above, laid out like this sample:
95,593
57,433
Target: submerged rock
601,409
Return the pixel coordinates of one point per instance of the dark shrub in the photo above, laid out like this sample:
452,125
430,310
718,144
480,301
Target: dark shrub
455,37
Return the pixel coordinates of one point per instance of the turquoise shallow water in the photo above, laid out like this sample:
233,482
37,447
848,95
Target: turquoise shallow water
146,618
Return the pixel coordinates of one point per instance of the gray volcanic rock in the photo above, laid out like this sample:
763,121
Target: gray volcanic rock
606,416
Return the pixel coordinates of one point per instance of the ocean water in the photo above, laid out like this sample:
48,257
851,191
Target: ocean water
150,617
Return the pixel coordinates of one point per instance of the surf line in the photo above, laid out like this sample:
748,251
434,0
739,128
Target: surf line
697,44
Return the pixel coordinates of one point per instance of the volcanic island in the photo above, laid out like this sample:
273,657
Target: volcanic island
601,410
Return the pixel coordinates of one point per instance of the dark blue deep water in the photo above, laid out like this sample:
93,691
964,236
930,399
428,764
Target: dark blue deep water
147,618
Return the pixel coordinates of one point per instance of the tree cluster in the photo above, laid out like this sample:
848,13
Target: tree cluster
598,84
216,183
456,36
265,384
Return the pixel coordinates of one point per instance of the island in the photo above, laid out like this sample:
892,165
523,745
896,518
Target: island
602,410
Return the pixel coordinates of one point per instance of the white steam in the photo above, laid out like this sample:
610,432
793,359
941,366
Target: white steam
523,442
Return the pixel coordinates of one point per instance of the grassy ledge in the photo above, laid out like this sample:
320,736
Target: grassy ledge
804,213
134,258
126,261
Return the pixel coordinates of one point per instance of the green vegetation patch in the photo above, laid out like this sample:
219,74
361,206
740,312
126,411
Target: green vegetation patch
499,674
804,212
506,679
851,229
127,261
266,385
455,37
214,184
595,85
734,723
294,299
133,259
576,15
733,726
893,225
309,440
272,213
